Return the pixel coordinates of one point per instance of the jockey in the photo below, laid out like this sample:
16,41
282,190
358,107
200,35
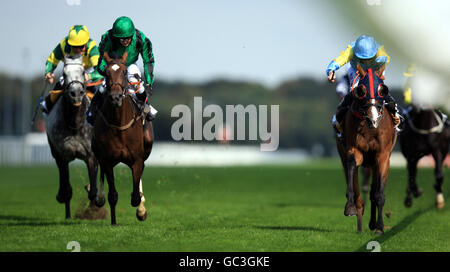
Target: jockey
124,37
343,86
76,43
366,52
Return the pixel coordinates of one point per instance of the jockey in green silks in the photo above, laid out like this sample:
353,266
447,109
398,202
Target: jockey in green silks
124,37
367,53
77,42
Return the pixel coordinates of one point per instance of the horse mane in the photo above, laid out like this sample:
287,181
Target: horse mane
73,59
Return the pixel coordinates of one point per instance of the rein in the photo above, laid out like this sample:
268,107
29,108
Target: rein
134,119
121,128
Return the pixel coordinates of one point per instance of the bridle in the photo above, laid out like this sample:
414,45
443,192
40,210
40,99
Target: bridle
361,110
67,84
124,93
122,86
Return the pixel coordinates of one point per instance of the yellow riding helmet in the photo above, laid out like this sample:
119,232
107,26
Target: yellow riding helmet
78,35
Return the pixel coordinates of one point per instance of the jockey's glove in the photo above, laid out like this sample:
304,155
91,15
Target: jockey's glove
333,66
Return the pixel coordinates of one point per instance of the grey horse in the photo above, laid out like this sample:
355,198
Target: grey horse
69,136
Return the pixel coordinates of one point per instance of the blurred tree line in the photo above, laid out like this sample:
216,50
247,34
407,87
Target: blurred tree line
306,107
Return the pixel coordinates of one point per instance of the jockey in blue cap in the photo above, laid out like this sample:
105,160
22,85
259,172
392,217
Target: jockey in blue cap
367,53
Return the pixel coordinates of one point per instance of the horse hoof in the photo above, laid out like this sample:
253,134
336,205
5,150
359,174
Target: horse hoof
418,193
135,201
60,199
350,210
408,202
440,203
141,218
100,202
379,232
372,225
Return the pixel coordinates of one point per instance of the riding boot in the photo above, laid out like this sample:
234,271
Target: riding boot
340,113
93,108
46,105
391,106
145,100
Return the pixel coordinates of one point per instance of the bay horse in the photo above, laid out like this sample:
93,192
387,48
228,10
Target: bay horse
368,139
425,133
68,134
120,135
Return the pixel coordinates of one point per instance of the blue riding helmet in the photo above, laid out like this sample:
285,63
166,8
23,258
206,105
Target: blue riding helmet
365,47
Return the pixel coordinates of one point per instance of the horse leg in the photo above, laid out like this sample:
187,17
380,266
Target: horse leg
383,163
100,198
358,202
373,203
412,188
350,207
137,196
113,196
365,185
439,160
92,166
65,190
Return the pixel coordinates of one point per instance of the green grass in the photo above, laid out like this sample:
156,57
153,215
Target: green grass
261,208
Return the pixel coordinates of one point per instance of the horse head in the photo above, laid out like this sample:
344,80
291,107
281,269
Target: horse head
116,78
370,94
74,82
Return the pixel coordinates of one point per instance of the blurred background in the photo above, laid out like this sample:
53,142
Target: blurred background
228,52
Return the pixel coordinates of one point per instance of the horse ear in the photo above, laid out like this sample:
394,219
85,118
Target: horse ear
124,57
107,57
360,70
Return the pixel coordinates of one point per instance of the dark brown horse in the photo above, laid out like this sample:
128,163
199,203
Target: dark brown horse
425,133
368,139
121,136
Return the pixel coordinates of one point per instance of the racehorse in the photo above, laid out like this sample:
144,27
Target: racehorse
425,133
368,139
68,135
121,136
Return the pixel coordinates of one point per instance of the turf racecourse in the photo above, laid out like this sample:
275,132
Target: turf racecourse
259,208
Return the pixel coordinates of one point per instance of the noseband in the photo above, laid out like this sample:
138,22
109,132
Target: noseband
361,111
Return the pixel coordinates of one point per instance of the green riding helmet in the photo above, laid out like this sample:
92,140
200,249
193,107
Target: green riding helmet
123,27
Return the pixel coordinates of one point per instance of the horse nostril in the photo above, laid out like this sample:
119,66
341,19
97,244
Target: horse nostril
72,93
82,93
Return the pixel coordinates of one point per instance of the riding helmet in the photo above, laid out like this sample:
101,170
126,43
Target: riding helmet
123,27
365,47
78,35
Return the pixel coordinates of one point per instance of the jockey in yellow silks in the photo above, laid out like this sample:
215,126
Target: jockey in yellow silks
75,43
